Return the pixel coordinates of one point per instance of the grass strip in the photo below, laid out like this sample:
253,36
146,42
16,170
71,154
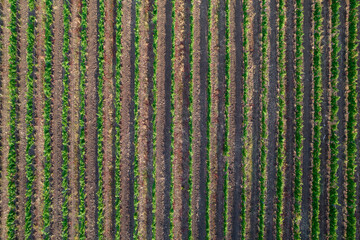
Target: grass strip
13,138
318,98
118,117
299,95
352,115
65,121
334,120
264,115
30,132
281,123
47,118
245,124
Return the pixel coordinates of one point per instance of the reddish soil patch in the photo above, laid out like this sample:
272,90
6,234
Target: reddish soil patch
163,119
199,119
145,147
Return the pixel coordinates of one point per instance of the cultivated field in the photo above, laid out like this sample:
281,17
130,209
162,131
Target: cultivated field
179,119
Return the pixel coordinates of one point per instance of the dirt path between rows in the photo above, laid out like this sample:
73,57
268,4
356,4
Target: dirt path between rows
74,118
163,120
145,147
39,99
325,133
235,113
272,122
5,114
127,120
24,17
308,120
342,114
289,164
109,154
181,119
91,170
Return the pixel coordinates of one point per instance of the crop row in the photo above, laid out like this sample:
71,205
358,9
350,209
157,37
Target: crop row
334,140
352,119
30,141
315,224
13,91
117,117
281,127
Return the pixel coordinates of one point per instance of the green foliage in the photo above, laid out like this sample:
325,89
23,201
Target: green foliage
318,98
100,119
281,128
244,153
334,140
351,123
83,50
13,93
117,117
65,122
30,140
264,113
299,94
47,118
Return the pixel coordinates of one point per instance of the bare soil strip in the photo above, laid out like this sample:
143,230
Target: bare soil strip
39,121
108,108
91,171
24,16
5,113
127,120
290,123
56,140
145,146
74,118
181,119
217,119
163,120
235,112
272,120
342,114
325,152
255,65
307,119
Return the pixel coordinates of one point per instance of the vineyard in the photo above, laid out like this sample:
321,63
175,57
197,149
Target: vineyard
179,119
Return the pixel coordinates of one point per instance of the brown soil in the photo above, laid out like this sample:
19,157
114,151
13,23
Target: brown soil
91,171
217,120
74,119
181,119
56,138
308,121
145,147
127,120
289,163
5,114
39,123
324,169
163,120
109,160
234,159
199,119
342,114
272,120
22,112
